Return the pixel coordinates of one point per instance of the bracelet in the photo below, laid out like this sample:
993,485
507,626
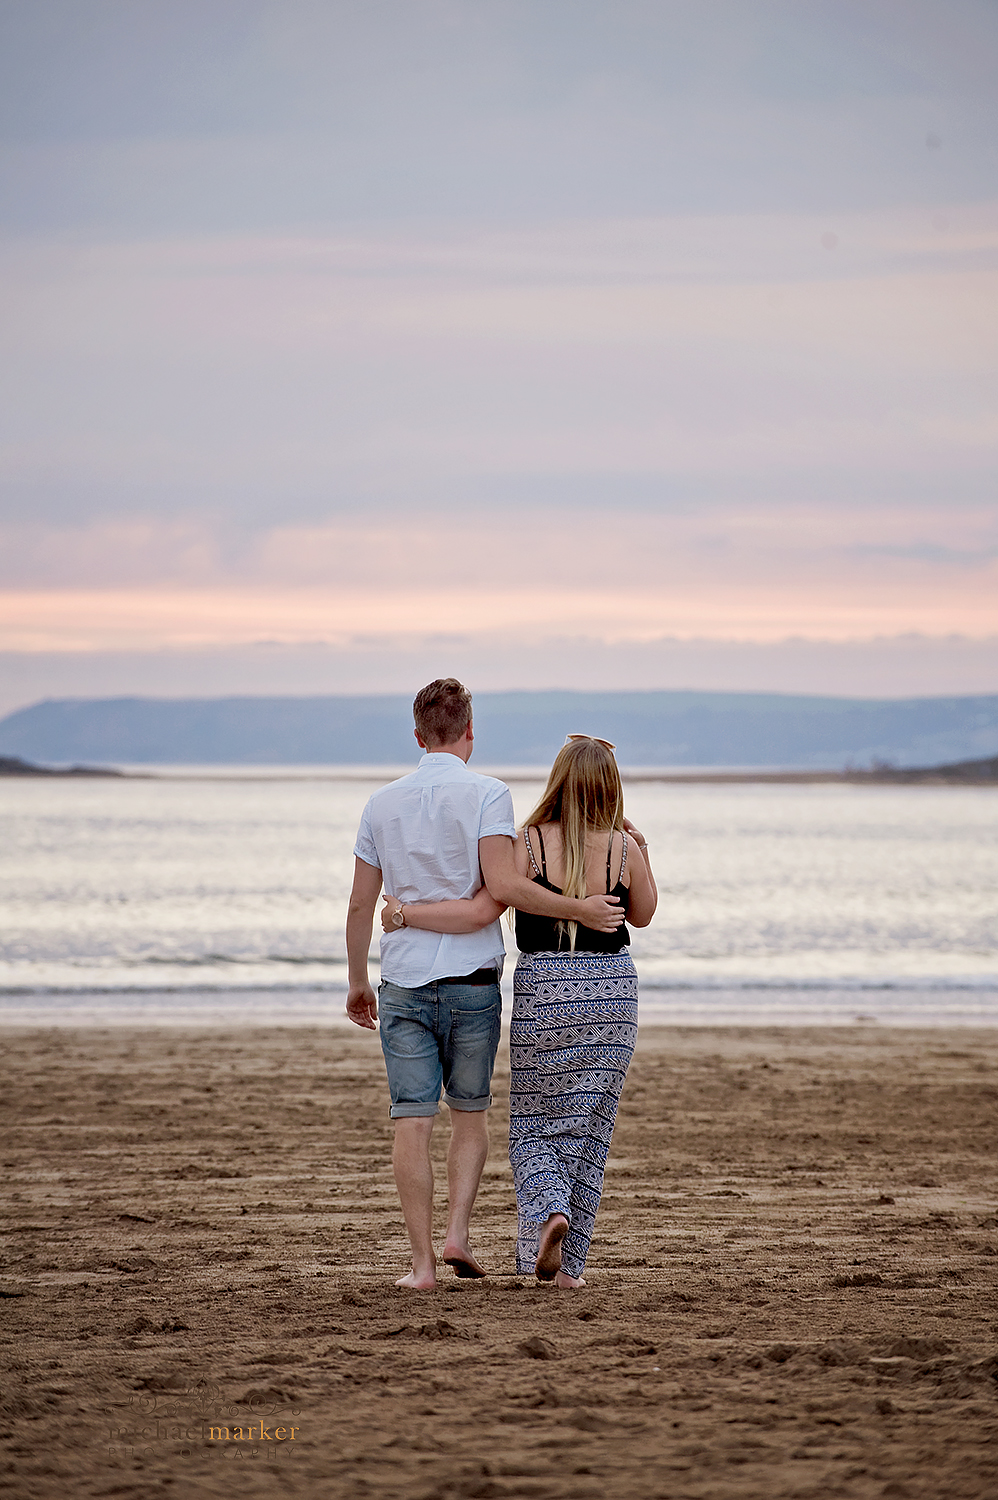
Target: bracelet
642,846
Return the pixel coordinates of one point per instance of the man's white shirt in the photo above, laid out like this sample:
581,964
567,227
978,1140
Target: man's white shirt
422,833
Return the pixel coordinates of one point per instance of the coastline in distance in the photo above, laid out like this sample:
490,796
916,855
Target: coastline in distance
658,734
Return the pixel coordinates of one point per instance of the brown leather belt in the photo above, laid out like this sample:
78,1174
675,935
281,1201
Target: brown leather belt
480,976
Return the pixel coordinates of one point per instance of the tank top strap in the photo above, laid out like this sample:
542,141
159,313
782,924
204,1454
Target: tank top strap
544,863
609,851
623,858
530,850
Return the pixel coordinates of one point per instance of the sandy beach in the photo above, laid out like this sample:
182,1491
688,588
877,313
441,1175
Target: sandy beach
792,1287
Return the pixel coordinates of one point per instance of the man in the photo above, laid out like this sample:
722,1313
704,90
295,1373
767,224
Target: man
432,836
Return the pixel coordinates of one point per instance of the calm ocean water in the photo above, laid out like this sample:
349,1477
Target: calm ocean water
221,900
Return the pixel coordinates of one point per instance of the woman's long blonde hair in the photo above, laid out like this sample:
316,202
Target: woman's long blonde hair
583,795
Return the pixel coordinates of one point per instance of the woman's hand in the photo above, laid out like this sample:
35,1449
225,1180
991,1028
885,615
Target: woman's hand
388,911
467,914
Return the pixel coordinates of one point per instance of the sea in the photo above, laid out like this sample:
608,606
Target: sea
217,896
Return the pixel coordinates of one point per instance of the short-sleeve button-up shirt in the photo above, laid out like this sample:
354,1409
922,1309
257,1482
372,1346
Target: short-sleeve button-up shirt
422,832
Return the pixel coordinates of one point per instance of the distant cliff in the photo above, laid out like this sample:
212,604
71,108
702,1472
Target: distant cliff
972,772
650,729
12,766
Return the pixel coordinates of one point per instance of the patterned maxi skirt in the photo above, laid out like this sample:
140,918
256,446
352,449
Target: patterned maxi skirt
572,1035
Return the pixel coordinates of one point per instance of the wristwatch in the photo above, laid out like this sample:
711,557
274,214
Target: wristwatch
398,916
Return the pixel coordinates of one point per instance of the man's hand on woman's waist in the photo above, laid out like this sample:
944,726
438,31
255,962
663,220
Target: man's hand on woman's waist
602,913
506,884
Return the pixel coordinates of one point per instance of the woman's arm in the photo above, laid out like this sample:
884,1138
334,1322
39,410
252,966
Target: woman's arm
642,891
468,915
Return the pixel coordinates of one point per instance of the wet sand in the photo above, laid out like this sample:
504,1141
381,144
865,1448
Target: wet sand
792,1289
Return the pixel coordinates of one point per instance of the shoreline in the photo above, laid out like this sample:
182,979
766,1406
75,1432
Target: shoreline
967,774
804,1006
628,778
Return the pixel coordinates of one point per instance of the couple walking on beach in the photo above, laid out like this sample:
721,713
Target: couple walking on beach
443,844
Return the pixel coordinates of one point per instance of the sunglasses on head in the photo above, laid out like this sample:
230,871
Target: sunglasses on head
607,743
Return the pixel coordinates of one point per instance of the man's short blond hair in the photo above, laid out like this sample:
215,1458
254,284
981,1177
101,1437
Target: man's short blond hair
442,711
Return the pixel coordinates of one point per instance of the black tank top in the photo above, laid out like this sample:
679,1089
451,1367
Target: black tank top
540,934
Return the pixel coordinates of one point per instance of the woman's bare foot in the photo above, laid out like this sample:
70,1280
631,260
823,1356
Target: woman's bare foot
549,1251
566,1283
419,1281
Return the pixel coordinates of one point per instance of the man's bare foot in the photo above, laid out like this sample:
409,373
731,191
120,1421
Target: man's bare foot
422,1283
549,1251
466,1264
566,1283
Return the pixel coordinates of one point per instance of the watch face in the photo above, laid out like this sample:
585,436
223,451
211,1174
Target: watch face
398,918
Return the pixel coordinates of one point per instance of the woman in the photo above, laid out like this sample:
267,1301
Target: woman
574,1020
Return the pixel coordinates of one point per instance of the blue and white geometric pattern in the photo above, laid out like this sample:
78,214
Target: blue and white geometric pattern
572,1036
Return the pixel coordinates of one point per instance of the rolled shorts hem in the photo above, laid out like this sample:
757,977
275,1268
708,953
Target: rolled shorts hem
468,1106
413,1111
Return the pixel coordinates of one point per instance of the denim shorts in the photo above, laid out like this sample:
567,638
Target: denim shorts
441,1038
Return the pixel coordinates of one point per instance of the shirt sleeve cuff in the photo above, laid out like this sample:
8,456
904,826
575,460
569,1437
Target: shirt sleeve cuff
509,829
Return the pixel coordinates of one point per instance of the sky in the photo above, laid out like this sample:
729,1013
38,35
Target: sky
348,343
